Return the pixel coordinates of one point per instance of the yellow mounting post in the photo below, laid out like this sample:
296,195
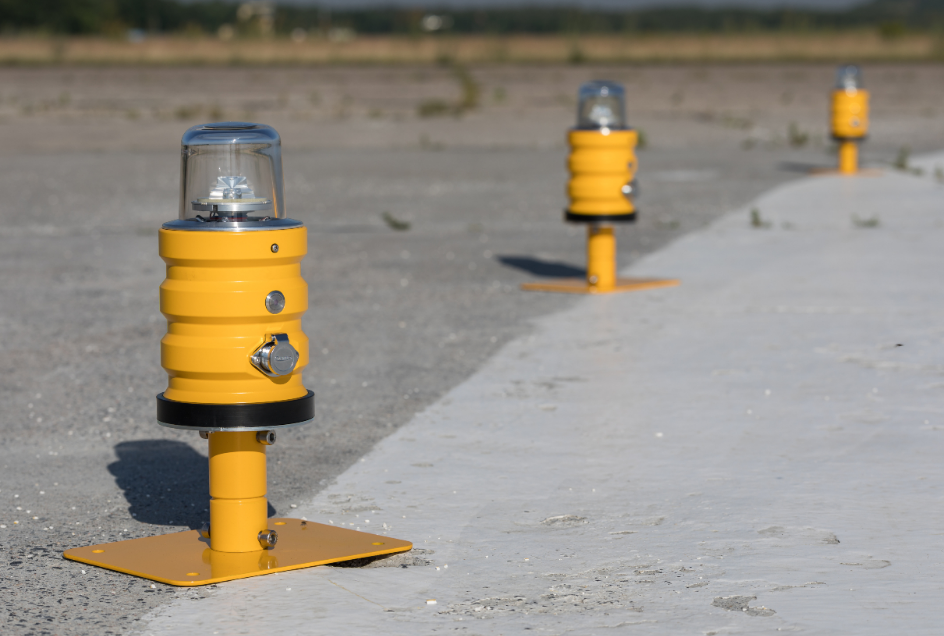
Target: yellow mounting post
848,157
601,270
238,503
601,257
233,549
234,350
602,189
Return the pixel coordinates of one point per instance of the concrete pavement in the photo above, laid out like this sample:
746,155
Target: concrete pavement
753,452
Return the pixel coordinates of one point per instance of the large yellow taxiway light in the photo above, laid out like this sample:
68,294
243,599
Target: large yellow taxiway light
602,189
849,116
234,350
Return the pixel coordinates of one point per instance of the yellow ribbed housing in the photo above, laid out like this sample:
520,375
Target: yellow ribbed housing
214,301
601,162
850,114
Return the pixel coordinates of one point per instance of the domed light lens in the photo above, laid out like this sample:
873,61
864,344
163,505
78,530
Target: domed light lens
231,172
601,104
849,77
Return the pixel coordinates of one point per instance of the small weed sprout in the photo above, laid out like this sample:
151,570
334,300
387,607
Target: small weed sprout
901,161
757,221
187,112
394,223
796,137
576,55
433,108
469,99
871,221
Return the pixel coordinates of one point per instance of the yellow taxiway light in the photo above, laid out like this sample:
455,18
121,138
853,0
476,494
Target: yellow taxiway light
233,298
602,189
849,119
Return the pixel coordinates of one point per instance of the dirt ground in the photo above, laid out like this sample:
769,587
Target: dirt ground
472,158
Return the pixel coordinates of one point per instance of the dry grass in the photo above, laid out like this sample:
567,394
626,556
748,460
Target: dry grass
767,47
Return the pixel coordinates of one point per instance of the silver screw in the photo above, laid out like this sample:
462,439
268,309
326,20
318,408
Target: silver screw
266,437
275,248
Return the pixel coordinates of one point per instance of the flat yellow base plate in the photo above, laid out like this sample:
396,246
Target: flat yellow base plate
580,286
185,558
833,172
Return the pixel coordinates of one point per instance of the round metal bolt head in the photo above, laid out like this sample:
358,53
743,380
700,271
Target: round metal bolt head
275,302
275,248
268,538
266,437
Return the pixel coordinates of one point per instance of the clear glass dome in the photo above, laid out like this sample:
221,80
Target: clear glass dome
601,104
849,77
230,175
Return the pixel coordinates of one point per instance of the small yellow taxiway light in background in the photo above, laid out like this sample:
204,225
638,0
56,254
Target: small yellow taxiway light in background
602,189
849,117
234,298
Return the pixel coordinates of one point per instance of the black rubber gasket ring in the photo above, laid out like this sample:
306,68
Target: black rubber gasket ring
856,139
570,217
261,416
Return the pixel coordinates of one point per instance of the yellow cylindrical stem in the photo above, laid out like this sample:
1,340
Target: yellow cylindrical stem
235,524
225,564
601,257
237,466
238,503
848,157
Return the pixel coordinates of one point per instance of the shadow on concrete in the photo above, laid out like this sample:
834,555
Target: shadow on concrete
803,167
544,269
165,482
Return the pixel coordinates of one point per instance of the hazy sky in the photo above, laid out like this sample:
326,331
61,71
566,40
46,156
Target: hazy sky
607,4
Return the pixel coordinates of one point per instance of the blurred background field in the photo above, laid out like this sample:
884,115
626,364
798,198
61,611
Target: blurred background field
862,45
265,33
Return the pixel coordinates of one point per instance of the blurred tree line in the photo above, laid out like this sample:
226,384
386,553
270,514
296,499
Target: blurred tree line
112,17
116,17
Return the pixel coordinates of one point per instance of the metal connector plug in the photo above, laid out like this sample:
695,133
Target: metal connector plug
276,357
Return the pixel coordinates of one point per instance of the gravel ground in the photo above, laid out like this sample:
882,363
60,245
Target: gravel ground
89,171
